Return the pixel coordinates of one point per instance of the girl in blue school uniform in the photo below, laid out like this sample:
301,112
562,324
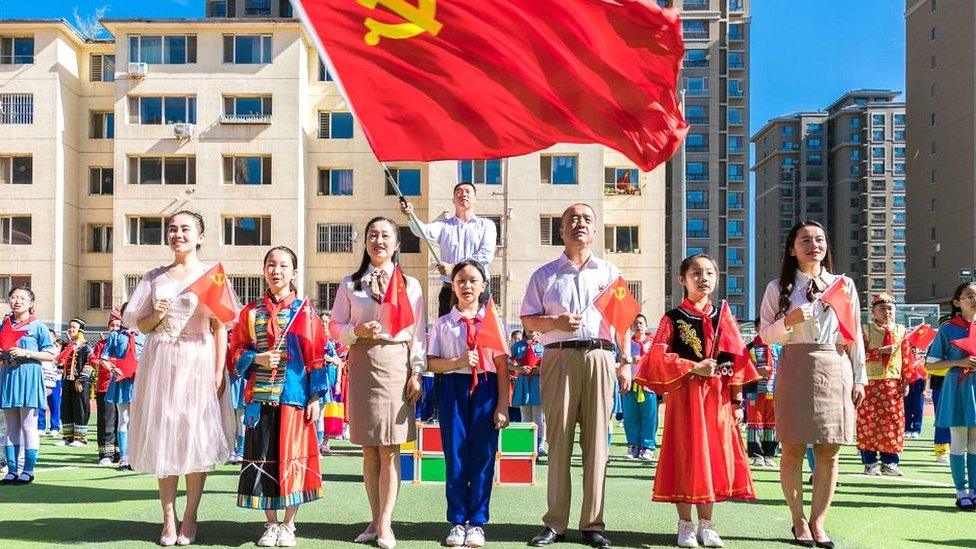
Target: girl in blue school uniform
957,405
473,401
27,343
122,342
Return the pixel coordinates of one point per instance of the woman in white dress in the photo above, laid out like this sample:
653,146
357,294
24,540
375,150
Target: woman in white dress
177,425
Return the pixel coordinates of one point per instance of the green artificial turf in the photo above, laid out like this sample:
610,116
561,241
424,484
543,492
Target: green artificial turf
75,502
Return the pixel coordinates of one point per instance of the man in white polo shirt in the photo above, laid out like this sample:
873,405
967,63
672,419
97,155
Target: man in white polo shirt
577,370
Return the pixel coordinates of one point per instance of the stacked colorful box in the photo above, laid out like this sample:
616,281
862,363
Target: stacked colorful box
515,461
430,454
408,461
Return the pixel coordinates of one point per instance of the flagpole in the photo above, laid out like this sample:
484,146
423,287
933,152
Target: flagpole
284,333
413,216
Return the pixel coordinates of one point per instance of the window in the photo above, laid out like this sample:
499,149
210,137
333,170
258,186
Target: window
932,119
878,267
855,122
878,284
8,282
736,60
325,293
163,110
16,108
813,143
697,227
621,180
15,230
253,108
549,231
932,62
696,171
734,285
162,170
696,114
500,234
898,119
146,231
736,172
102,125
877,119
898,185
735,228
100,181
878,234
131,282
335,182
736,200
488,172
621,239
696,86
878,185
258,8
898,234
559,169
335,238
168,50
696,142
247,288
898,267
16,50
735,87
878,152
815,159
734,257
735,143
694,29
735,116
697,200
99,295
102,68
898,250
736,32
247,170
696,58
898,218
878,201
218,8
813,192
407,179
100,239
409,242
814,127
324,74
878,168
878,135
16,170
695,250
899,168
855,138
247,49
335,125
247,231
898,201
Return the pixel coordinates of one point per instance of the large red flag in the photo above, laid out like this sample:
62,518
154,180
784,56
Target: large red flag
396,313
490,335
480,79
213,291
618,305
839,299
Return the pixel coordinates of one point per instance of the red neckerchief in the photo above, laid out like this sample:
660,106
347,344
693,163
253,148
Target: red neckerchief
643,341
708,331
19,325
471,334
958,320
274,307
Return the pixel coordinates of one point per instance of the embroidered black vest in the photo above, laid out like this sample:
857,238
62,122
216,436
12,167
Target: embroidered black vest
688,341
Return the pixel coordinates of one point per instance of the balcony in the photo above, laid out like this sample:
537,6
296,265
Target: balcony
733,262
787,175
696,148
245,119
736,65
697,205
621,188
697,120
788,146
695,5
696,177
695,35
696,92
735,291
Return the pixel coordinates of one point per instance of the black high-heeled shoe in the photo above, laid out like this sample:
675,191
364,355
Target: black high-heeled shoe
801,542
829,544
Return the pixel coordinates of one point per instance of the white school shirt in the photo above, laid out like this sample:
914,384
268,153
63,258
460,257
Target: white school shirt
448,339
352,308
822,327
459,240
559,287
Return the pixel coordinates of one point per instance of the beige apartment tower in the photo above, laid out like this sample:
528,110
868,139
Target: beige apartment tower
234,116
940,59
708,180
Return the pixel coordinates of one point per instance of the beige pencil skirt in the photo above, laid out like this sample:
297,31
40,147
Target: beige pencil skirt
813,395
379,415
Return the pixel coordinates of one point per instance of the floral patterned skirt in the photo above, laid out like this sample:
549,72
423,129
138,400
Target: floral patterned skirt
881,417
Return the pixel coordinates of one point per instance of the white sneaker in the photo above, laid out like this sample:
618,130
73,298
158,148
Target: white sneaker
456,537
758,461
646,454
686,534
632,452
873,470
286,535
270,537
55,434
770,462
475,537
105,462
77,444
708,534
943,458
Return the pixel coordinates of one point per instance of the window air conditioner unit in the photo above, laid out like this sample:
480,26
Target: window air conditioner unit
138,70
183,131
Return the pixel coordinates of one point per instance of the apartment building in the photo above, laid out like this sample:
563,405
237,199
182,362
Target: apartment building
708,183
845,167
234,116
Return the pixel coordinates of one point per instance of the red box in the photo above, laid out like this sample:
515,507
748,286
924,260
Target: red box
430,438
515,470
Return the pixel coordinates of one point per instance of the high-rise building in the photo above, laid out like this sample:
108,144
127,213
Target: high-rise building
235,117
708,182
940,40
845,167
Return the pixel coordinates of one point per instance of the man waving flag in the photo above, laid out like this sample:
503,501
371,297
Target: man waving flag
480,79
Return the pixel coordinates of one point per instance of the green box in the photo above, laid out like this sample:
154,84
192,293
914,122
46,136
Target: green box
432,469
517,438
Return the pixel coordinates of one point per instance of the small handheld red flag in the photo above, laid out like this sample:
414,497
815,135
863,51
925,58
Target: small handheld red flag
213,291
396,313
837,296
618,305
307,327
10,336
490,334
968,343
921,337
128,363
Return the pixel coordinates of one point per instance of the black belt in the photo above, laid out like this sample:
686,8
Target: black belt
583,344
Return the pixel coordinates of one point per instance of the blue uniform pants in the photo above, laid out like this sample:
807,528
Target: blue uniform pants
470,443
914,403
425,406
941,433
54,407
640,419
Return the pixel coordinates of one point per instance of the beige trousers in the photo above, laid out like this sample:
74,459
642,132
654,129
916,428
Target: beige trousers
577,386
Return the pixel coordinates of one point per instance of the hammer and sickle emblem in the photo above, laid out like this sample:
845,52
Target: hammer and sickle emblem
218,279
620,293
418,19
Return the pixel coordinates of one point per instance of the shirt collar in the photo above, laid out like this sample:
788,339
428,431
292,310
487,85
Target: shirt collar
455,315
453,218
801,278
564,263
369,270
690,307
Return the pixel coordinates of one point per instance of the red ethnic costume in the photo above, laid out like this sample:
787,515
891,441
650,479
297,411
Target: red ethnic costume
281,459
881,417
703,459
